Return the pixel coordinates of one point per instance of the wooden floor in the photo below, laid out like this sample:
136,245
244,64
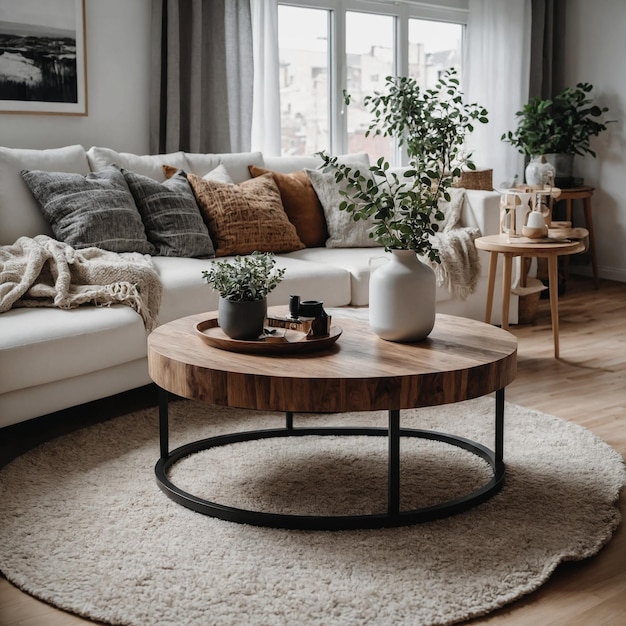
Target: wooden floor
587,385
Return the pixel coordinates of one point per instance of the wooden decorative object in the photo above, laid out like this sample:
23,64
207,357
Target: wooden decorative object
281,341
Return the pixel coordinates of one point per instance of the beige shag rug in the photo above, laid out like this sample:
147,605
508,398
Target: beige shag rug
85,527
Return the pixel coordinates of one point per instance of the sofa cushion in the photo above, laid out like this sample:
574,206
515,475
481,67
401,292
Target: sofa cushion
343,230
20,215
359,263
236,163
247,217
39,346
185,292
170,215
93,210
301,204
291,163
219,174
147,165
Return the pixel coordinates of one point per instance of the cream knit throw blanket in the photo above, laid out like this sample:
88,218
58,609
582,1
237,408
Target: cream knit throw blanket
460,266
44,272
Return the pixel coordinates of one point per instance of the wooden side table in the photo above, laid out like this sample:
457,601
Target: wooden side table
523,247
584,194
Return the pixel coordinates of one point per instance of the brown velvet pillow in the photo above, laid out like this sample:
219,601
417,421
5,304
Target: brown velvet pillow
301,204
246,217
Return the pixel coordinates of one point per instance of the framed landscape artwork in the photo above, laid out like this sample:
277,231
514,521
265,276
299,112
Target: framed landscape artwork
43,67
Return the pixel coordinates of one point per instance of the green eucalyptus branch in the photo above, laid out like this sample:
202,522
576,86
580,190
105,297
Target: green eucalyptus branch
432,125
248,278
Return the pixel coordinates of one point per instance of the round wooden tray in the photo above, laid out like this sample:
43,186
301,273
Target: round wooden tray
292,342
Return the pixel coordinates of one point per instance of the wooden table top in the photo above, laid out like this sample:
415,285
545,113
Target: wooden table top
461,359
527,247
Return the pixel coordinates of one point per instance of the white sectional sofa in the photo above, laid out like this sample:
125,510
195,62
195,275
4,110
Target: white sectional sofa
51,359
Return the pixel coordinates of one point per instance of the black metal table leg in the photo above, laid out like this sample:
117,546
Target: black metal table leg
393,497
164,423
391,518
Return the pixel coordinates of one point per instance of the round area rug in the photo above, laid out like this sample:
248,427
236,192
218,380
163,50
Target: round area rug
85,527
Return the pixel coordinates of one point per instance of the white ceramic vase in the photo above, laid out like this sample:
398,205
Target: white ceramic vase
539,172
402,298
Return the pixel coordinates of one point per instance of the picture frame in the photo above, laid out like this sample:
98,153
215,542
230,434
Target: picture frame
43,60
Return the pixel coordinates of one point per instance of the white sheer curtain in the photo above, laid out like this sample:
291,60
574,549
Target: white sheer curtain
266,99
498,62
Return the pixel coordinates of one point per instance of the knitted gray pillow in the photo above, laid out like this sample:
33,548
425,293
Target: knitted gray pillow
170,215
94,210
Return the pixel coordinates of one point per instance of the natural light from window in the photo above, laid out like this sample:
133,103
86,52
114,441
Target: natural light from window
369,60
309,68
304,91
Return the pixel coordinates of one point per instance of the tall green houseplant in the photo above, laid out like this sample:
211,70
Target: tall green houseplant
432,125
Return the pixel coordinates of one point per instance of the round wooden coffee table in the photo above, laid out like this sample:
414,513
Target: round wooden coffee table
461,359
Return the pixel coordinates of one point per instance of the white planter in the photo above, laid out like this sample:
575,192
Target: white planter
539,172
402,298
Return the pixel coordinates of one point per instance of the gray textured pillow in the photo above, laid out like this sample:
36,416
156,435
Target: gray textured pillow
93,210
343,231
171,216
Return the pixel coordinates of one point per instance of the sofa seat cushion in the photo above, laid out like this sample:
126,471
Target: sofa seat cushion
20,215
358,262
43,345
185,292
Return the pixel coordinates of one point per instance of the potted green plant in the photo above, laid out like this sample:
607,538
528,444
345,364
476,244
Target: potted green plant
559,126
404,210
243,285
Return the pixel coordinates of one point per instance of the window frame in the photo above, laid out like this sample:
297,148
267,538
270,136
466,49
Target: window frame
454,11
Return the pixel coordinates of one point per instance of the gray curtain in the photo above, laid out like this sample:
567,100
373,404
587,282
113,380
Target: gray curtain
546,52
202,72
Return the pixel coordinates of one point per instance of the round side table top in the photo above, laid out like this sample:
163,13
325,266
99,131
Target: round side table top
573,193
527,247
461,359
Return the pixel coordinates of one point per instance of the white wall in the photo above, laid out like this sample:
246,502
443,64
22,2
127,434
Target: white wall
118,60
595,51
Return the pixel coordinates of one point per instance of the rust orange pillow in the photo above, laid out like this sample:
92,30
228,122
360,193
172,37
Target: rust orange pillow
301,205
246,217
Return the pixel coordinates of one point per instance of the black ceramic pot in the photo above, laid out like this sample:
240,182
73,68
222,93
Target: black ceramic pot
242,320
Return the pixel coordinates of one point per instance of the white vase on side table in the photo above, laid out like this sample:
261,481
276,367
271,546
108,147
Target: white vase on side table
539,172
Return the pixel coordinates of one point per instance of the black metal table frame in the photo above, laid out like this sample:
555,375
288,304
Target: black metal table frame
392,518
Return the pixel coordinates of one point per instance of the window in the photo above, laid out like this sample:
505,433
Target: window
304,70
326,48
433,48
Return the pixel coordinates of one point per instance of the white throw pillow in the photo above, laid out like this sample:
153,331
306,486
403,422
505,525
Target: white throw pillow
236,163
343,231
219,174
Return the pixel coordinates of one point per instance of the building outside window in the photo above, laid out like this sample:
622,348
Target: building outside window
351,46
